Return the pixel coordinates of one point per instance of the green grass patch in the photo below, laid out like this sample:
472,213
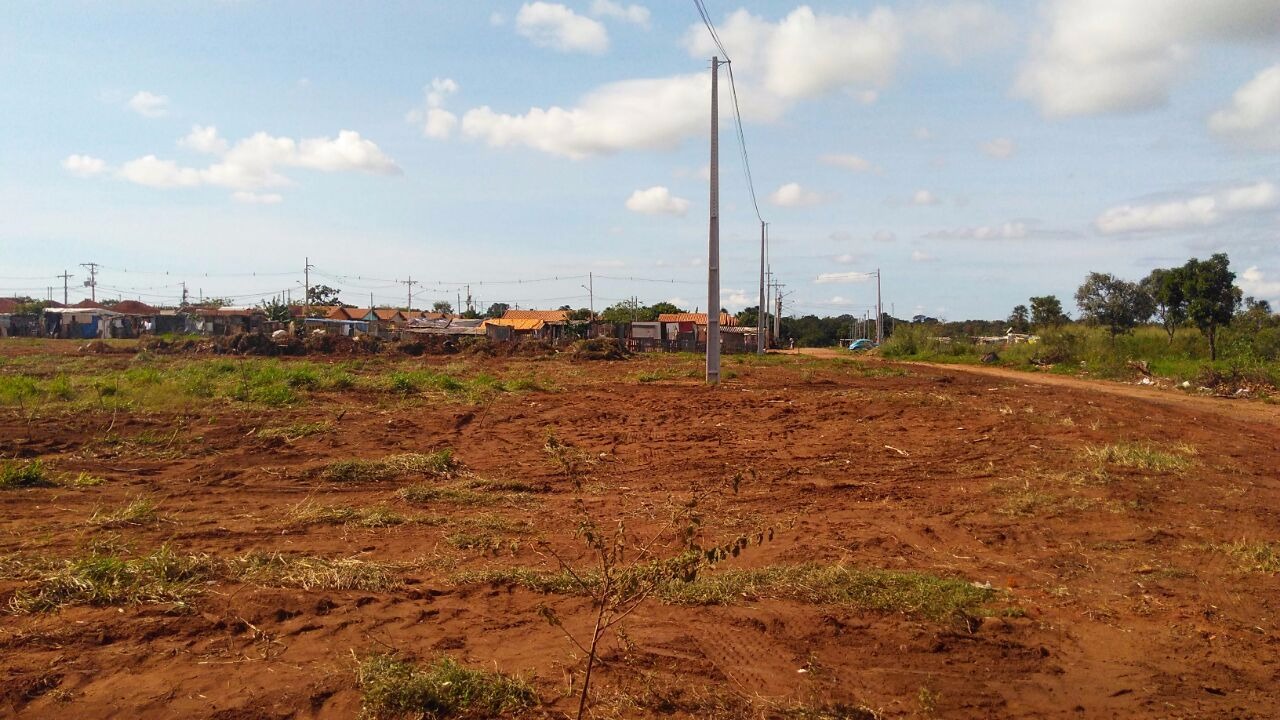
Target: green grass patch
1142,456
23,474
161,577
914,593
394,688
440,463
1263,557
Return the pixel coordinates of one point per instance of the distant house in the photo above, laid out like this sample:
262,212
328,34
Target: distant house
688,331
517,329
553,327
226,320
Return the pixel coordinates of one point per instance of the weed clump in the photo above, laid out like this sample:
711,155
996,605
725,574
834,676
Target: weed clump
1142,456
139,512
440,463
312,573
394,688
1254,557
18,474
161,577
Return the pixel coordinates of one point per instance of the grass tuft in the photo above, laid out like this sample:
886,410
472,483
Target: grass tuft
1142,456
295,431
137,513
19,474
440,463
161,577
313,573
1263,557
394,688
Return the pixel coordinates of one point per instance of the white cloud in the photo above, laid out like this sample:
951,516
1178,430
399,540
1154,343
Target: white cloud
149,104
436,122
252,198
1000,148
255,162
497,19
793,195
634,14
439,124
657,200
1005,231
1197,211
924,198
1253,117
921,256
960,29
805,54
555,26
84,166
1254,282
154,172
653,114
845,259
923,134
849,162
204,140
840,278
884,236
1100,56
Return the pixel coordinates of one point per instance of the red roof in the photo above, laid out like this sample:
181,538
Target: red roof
133,307
726,320
8,305
90,305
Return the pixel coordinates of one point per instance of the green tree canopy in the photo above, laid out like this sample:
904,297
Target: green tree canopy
323,295
1115,304
1020,319
497,310
1046,311
1165,286
1211,295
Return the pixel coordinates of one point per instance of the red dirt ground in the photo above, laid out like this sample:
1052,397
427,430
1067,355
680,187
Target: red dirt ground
1130,609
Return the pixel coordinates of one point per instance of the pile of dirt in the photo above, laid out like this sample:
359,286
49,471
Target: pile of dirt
162,346
256,344
599,349
509,349
96,347
419,345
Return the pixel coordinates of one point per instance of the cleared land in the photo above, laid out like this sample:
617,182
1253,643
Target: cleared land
307,538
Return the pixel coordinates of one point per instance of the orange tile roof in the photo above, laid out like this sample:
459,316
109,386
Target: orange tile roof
726,320
8,305
551,316
387,314
518,323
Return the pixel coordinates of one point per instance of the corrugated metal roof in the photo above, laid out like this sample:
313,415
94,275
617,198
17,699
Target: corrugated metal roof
726,320
518,323
551,316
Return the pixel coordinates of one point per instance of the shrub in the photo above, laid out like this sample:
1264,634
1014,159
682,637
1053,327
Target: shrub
394,688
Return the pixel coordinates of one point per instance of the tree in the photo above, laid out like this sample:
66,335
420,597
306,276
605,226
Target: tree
628,311
1256,312
1211,295
747,316
497,310
1116,304
1046,311
1165,288
323,295
580,315
664,308
1020,319
442,306
276,310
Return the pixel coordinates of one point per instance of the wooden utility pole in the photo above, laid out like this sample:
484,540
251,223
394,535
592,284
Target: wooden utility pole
410,282
713,236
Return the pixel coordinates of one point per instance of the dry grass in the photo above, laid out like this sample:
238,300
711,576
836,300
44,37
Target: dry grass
313,573
1263,557
1142,456
440,464
138,513
164,576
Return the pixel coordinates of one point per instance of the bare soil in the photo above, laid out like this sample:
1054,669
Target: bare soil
1127,606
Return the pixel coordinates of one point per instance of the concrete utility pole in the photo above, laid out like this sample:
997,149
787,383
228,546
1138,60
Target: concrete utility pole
306,274
713,236
65,277
184,293
760,312
879,312
92,282
410,282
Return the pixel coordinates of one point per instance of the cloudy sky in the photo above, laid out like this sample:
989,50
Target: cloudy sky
977,152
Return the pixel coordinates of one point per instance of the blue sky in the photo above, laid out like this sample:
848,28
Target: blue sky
977,152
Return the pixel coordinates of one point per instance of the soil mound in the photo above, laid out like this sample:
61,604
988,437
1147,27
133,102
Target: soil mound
599,349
